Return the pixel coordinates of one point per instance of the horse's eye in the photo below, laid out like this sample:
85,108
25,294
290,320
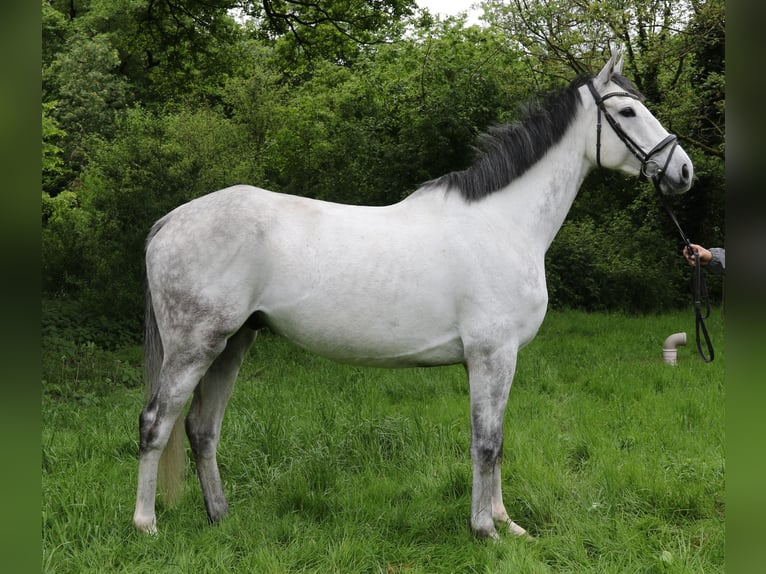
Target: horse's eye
628,112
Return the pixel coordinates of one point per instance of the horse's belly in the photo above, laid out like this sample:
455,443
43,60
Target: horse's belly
366,298
447,351
368,334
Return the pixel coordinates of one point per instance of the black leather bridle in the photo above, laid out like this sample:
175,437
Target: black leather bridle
650,169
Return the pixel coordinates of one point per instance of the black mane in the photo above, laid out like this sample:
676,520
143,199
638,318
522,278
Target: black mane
507,151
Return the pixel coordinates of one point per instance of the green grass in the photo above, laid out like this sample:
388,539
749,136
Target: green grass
614,461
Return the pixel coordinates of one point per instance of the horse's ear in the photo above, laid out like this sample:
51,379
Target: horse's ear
613,66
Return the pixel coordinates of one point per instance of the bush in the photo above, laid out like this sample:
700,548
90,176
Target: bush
93,239
65,237
80,351
618,267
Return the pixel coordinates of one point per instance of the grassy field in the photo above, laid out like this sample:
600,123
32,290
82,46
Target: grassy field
614,461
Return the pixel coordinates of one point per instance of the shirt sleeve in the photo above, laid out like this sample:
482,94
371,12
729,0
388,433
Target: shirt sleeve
717,263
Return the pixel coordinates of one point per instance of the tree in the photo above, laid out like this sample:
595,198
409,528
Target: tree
308,32
407,112
166,49
52,162
87,91
155,163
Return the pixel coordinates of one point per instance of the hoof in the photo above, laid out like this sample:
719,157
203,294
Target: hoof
515,529
214,516
486,532
519,532
148,525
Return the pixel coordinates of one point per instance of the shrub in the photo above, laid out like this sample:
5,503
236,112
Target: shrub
618,266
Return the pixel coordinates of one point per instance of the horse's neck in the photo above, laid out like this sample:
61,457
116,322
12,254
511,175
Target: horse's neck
539,200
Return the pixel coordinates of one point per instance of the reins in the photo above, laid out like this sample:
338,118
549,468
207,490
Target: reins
650,170
699,287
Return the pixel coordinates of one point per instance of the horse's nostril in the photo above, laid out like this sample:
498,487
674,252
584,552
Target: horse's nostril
685,172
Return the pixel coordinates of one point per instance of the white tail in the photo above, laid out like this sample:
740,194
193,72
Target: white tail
173,460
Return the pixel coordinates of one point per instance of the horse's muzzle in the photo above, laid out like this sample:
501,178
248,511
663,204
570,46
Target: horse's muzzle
672,176
682,182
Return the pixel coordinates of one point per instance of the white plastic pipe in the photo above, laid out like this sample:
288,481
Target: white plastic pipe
670,347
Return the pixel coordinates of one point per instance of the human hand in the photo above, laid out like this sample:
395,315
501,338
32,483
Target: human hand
705,255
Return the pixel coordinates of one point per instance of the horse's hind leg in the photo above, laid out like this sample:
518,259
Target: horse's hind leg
179,375
203,423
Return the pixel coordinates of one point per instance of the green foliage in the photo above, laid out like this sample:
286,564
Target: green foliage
66,243
52,161
307,33
166,50
252,97
410,112
82,79
157,162
597,267
86,354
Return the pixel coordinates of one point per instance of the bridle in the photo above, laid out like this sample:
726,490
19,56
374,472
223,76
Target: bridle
651,170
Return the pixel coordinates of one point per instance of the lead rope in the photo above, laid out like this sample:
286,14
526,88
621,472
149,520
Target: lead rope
699,288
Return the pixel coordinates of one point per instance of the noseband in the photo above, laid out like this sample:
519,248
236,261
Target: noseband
650,169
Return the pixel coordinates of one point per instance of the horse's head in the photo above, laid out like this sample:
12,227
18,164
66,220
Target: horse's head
626,136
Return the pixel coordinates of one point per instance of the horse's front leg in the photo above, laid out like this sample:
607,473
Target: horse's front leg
490,376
